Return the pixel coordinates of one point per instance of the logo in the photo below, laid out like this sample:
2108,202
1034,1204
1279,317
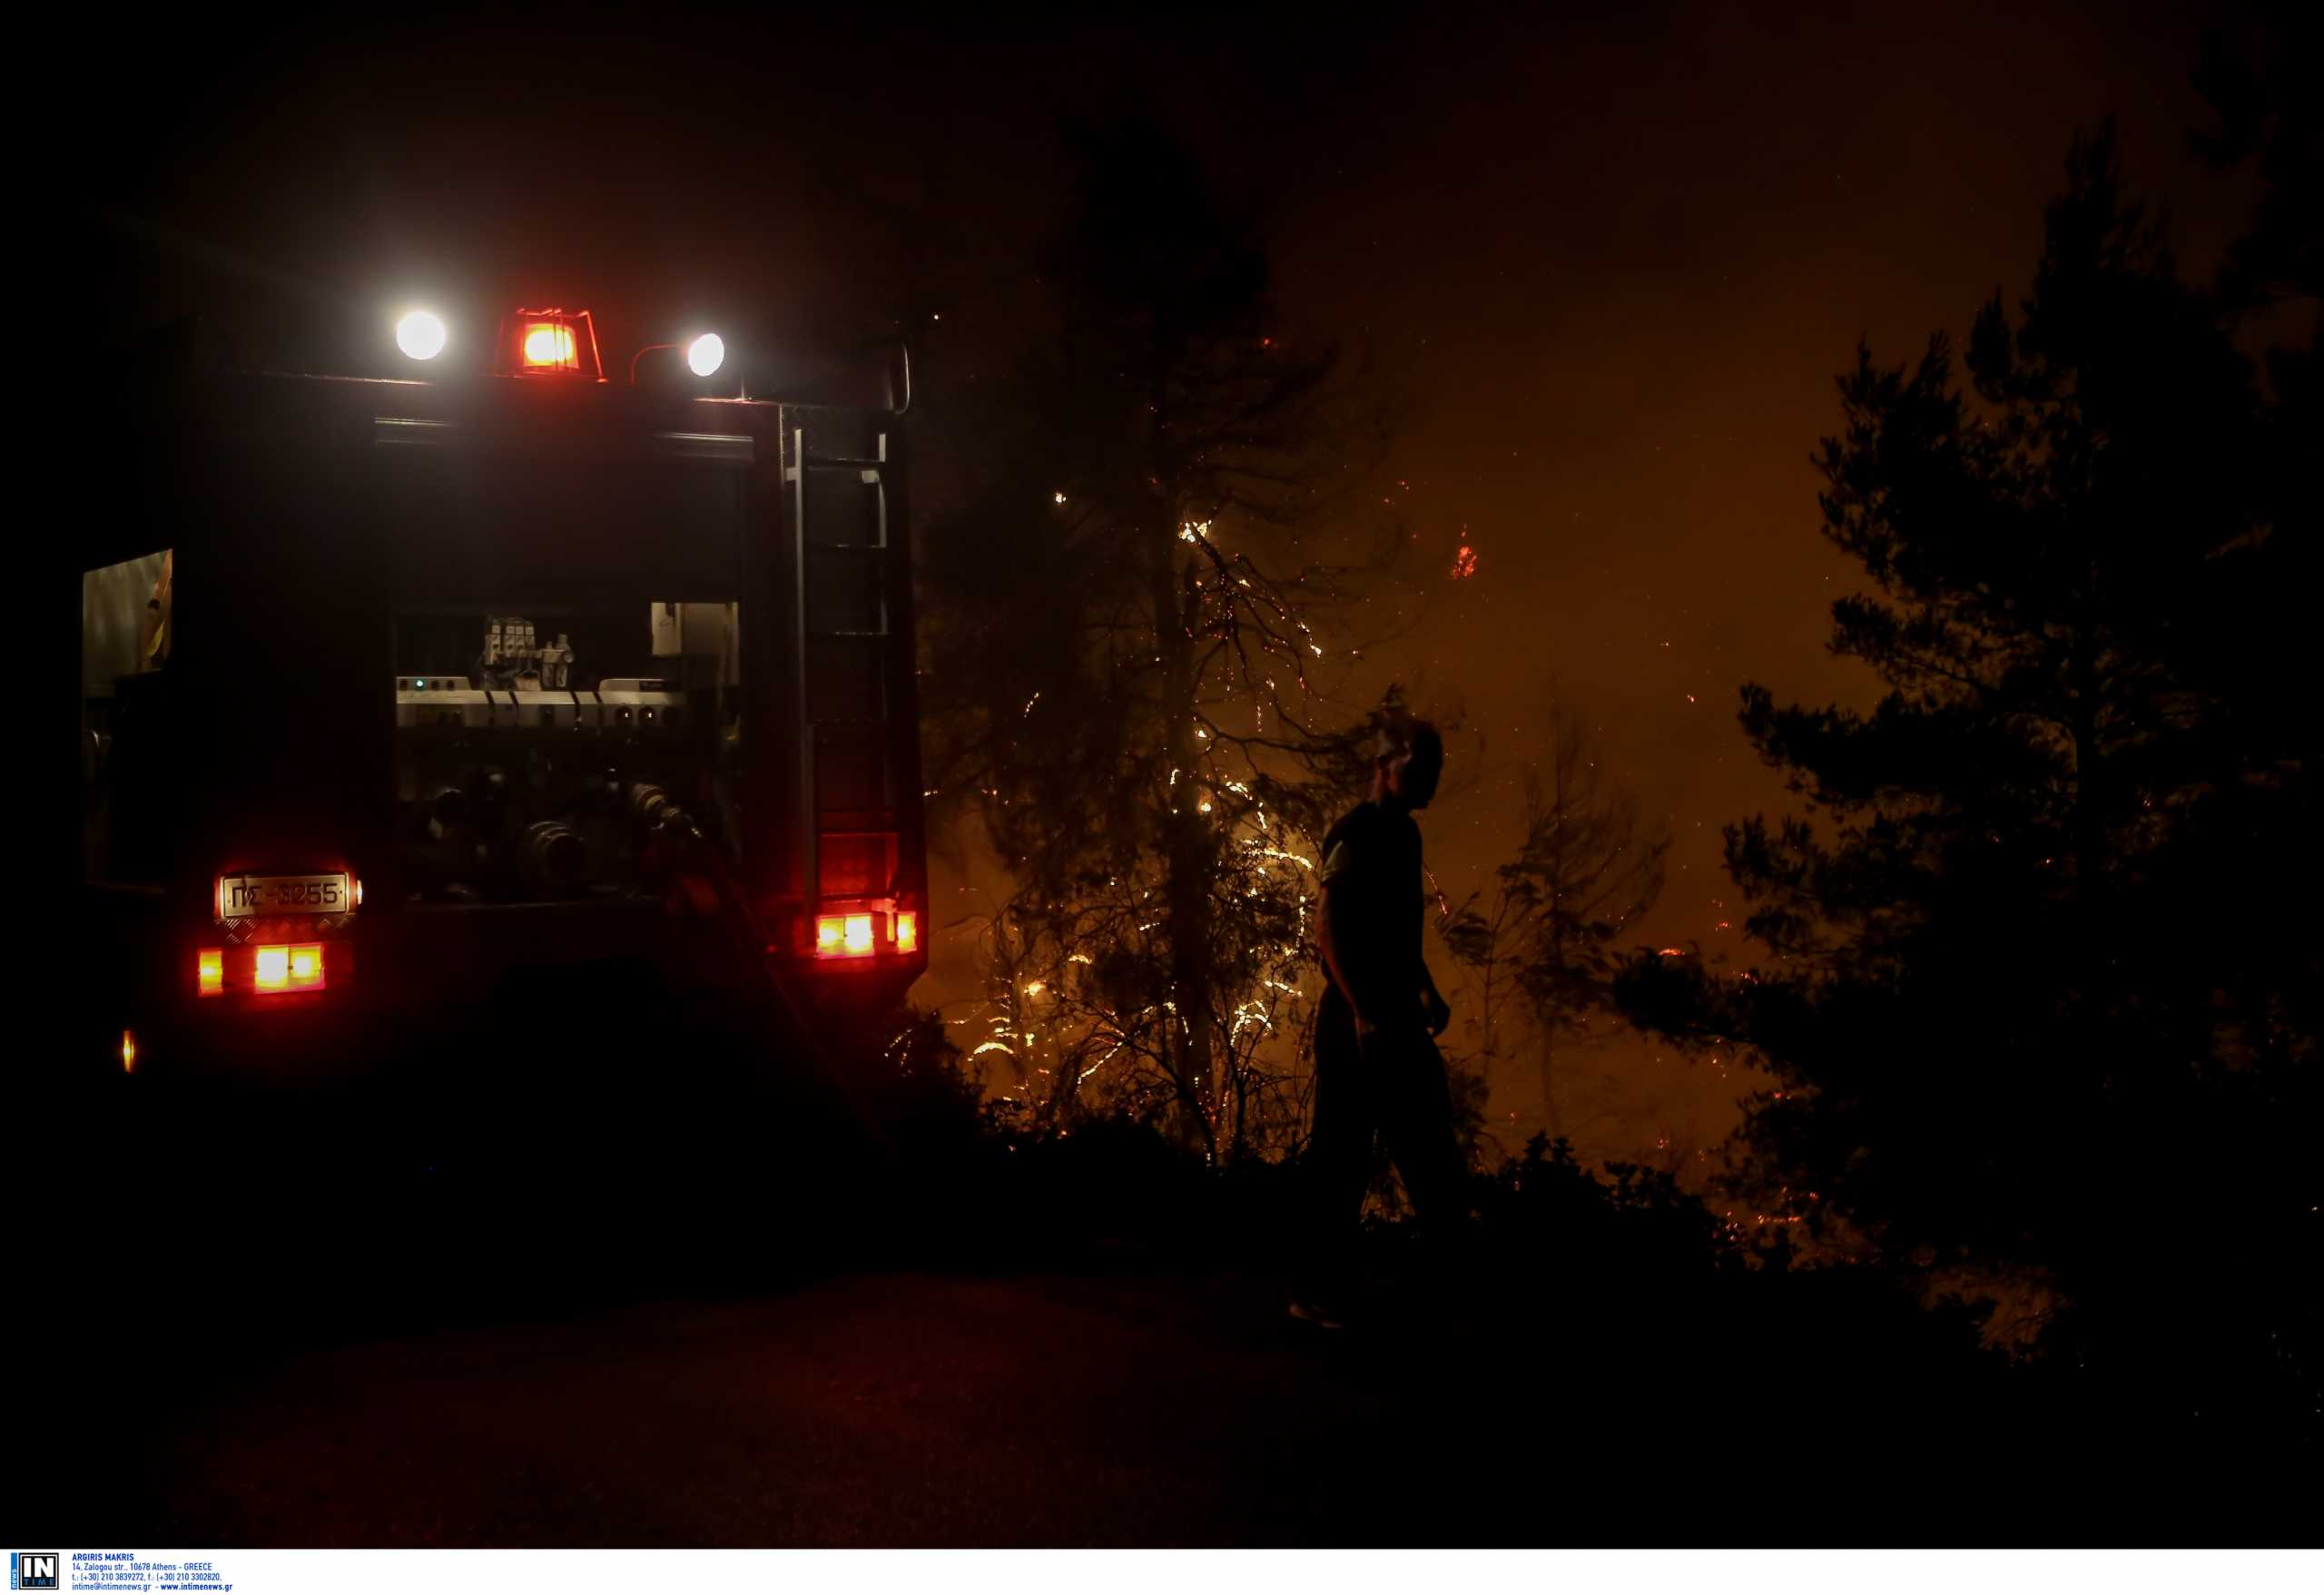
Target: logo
32,1569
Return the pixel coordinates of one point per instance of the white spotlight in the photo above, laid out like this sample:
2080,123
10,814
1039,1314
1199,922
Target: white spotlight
420,335
706,353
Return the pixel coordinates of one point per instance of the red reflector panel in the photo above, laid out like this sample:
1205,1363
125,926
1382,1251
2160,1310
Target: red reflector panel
855,863
209,971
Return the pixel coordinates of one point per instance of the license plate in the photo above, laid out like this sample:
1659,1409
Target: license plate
240,897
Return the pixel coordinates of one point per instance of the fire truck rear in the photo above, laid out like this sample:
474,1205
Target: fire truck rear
410,698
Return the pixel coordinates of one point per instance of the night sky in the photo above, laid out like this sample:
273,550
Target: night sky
1609,262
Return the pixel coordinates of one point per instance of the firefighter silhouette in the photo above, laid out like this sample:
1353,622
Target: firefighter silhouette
1378,1072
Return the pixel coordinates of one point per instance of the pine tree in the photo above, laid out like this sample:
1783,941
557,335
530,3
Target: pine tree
2028,989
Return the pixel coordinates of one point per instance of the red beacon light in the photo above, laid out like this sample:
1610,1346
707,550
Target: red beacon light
549,343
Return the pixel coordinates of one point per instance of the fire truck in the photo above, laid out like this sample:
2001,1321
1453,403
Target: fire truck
492,678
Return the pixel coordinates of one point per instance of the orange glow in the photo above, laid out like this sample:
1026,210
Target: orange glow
549,343
128,1052
907,933
359,894
271,973
829,931
209,971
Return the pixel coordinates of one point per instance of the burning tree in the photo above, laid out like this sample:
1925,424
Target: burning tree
1127,683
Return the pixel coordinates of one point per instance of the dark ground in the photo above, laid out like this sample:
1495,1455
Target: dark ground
468,1346
1042,1410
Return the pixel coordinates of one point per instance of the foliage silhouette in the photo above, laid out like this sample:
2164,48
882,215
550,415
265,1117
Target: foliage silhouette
2034,990
1124,658
1550,934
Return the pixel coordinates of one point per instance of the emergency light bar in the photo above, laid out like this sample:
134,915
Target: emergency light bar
549,343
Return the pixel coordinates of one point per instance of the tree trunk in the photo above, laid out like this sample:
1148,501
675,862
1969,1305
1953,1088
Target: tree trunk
1547,1062
1185,861
1556,927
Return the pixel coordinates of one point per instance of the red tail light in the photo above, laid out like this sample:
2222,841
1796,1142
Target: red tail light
288,969
907,933
306,966
843,936
209,971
